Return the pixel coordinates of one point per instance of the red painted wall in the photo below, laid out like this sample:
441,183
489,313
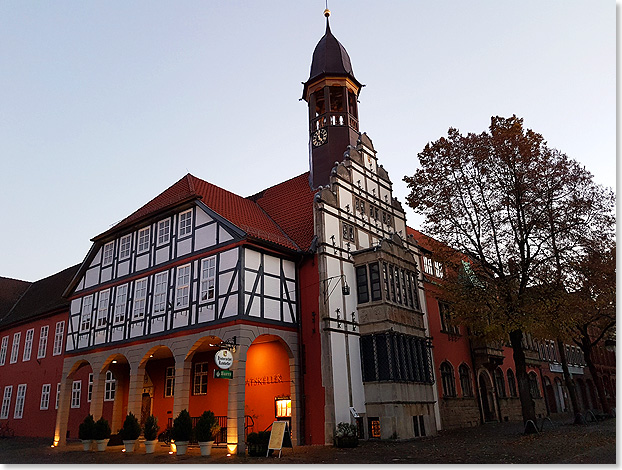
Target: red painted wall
77,415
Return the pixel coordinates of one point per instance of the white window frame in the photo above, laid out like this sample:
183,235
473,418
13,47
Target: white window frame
428,266
45,396
76,392
86,315
160,293
169,382
108,253
103,305
164,231
140,302
201,377
30,335
20,399
59,335
120,304
6,402
111,386
89,389
144,239
182,286
57,395
208,279
125,246
3,349
185,223
43,341
17,337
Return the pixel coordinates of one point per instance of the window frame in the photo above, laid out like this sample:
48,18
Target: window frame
20,400
76,393
46,390
208,282
108,253
43,341
28,340
89,388
160,298
120,308
448,380
466,384
59,335
512,390
86,314
169,382
110,388
125,246
144,239
139,304
184,225
182,288
6,402
17,338
164,231
499,378
4,347
57,396
103,308
200,378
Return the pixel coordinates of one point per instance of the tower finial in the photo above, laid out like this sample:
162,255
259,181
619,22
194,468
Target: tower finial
327,13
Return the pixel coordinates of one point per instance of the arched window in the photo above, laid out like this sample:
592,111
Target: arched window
448,381
465,380
511,383
534,389
499,382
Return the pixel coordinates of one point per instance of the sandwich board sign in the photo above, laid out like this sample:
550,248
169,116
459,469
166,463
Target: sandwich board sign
279,437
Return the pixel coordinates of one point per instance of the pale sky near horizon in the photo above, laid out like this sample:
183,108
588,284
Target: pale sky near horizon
105,104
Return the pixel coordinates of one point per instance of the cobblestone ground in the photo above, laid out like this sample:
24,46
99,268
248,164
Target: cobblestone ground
499,443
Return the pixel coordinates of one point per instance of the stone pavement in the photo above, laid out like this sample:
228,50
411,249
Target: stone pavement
497,443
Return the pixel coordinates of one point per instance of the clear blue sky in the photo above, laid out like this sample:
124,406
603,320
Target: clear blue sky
104,104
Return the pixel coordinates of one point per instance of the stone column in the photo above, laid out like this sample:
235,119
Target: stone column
183,369
135,390
295,394
97,395
64,403
236,399
119,397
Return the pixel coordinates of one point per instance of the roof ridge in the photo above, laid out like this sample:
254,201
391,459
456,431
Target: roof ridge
277,225
16,302
260,193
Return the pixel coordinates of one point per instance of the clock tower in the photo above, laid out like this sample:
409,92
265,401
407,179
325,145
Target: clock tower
331,92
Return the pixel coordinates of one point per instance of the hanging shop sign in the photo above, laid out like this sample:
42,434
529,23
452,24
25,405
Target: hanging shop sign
224,359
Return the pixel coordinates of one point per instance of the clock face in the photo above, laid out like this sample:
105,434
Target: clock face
319,137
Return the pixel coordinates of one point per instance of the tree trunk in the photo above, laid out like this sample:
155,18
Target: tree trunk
570,385
586,346
528,406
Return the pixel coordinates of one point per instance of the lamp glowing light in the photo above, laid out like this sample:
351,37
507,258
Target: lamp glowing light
122,450
114,361
232,448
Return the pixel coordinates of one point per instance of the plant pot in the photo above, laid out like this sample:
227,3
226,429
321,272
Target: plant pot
129,445
182,447
101,444
87,444
206,447
150,446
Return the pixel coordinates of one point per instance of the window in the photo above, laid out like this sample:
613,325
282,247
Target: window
102,309
428,267
183,286
3,349
6,402
57,395
374,277
86,314
89,390
108,253
447,379
511,383
283,407
126,246
76,391
45,397
419,424
374,427
361,284
119,304
208,278
499,382
164,231
15,347
19,401
144,237
348,232
58,338
169,385
465,380
111,385
534,389
30,334
438,269
185,223
200,378
446,320
43,341
159,297
140,294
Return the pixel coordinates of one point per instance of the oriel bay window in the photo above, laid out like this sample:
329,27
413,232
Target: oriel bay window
399,285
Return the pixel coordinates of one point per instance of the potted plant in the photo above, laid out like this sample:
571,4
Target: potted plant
102,434
182,431
257,443
86,432
206,430
346,435
130,432
151,433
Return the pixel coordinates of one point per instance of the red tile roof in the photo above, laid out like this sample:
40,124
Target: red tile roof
424,240
10,291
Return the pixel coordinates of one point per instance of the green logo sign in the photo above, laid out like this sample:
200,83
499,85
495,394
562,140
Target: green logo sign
223,374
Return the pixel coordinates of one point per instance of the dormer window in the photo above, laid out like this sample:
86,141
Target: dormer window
185,223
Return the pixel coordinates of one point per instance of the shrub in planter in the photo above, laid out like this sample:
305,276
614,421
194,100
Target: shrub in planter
206,429
86,432
182,431
130,432
102,434
346,435
257,443
151,433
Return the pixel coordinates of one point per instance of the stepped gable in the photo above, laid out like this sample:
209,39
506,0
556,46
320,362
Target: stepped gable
10,292
290,205
41,297
241,212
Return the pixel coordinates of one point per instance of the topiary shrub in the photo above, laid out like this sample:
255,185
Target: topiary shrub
102,429
151,428
182,427
86,430
207,427
131,428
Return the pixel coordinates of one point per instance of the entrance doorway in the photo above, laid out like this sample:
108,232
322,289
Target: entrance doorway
487,398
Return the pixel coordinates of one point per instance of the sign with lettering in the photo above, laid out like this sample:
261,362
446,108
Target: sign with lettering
224,359
279,437
223,374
